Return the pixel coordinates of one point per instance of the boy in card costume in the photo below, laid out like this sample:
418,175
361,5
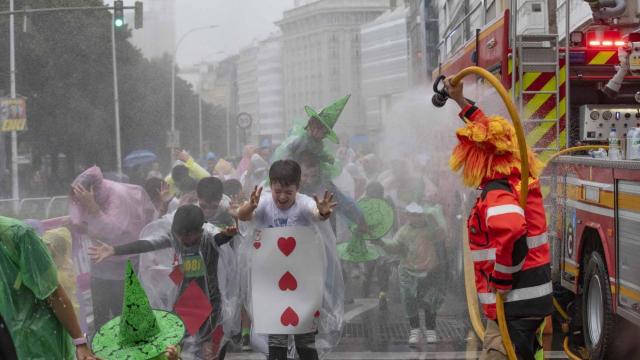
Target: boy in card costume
291,266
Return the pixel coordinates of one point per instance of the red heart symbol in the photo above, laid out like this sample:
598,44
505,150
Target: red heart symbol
317,314
257,244
289,317
288,282
286,245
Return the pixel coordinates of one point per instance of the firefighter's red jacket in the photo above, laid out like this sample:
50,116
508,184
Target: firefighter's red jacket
509,245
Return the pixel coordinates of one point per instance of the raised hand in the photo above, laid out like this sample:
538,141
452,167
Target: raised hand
85,198
100,252
326,204
255,197
229,231
165,193
182,155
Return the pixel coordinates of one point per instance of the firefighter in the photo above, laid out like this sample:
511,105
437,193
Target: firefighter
508,244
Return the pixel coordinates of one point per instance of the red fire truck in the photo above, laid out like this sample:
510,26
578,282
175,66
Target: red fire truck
571,90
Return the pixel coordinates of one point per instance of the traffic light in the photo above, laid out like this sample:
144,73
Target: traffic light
137,22
118,13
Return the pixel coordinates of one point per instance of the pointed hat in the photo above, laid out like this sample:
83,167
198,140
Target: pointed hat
379,216
139,333
329,116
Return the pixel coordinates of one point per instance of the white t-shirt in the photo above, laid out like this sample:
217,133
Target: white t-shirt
303,212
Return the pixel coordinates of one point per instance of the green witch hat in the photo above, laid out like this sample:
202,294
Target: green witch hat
139,333
379,216
329,116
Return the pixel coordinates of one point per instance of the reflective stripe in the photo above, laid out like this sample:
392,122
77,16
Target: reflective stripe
535,241
483,255
518,294
487,298
504,209
508,269
530,292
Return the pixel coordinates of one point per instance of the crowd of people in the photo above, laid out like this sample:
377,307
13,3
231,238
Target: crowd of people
181,252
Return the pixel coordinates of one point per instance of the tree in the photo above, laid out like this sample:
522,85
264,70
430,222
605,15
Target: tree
64,69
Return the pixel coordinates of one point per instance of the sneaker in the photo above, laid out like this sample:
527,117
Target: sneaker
430,335
382,301
246,343
414,336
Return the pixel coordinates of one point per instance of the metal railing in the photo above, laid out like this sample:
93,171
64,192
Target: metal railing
35,208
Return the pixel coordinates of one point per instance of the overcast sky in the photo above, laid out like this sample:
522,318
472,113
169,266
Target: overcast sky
239,23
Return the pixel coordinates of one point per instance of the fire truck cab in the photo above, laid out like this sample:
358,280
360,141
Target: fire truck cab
576,81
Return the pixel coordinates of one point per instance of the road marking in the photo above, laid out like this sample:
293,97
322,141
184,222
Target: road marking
368,355
364,305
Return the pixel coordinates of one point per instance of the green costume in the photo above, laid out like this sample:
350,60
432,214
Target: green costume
300,141
29,277
140,333
379,217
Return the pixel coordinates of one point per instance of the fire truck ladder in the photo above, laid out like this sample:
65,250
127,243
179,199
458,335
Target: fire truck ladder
539,53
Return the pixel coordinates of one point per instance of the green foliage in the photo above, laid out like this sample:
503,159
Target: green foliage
64,69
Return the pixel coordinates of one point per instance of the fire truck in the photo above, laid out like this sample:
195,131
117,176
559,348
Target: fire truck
574,81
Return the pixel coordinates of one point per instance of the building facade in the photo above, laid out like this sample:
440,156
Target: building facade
321,57
385,64
270,122
218,87
248,87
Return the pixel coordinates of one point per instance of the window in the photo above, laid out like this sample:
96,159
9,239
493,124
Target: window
536,7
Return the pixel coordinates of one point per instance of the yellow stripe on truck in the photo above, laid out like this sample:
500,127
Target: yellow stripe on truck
602,57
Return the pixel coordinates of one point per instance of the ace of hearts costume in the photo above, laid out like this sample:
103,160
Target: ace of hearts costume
330,315
508,244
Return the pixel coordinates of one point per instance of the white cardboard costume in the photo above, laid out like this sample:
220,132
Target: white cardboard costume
315,246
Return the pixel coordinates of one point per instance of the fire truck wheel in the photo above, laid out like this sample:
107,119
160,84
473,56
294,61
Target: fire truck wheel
597,310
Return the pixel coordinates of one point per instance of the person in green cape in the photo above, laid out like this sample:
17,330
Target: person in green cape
34,306
139,333
319,127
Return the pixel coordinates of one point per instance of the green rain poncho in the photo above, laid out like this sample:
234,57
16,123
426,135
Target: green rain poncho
28,277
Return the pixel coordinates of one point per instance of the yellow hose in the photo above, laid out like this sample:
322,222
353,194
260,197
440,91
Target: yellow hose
470,288
574,149
524,178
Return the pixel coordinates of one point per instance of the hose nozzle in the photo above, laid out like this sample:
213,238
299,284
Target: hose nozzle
440,96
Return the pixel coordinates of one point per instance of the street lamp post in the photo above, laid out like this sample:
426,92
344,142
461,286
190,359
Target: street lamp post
15,191
116,99
173,74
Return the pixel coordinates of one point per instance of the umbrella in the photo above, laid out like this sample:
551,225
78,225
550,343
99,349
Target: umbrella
139,157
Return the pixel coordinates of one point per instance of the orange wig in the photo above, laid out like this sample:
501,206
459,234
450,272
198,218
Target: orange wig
488,149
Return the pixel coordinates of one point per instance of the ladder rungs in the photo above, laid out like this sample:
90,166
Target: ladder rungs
540,92
538,64
540,120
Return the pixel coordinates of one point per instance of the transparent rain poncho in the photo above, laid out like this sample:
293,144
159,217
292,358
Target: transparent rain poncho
329,329
164,289
29,277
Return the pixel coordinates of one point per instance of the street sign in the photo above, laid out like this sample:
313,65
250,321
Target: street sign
13,114
173,139
244,120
